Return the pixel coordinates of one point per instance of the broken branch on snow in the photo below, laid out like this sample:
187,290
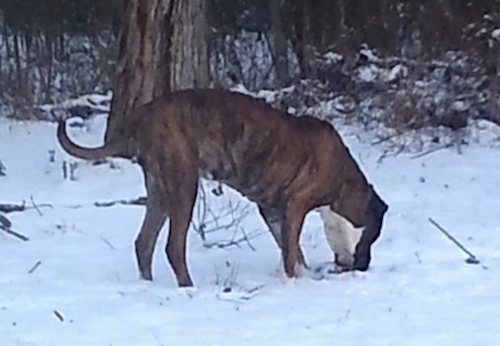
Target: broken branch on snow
135,201
32,270
11,208
472,258
5,225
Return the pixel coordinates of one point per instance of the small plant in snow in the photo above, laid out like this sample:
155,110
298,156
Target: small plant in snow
206,220
69,170
52,156
226,280
3,169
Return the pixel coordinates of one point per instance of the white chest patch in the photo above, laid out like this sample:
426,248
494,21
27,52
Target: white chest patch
341,235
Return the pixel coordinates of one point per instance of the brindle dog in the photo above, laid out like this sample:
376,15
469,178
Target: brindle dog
287,165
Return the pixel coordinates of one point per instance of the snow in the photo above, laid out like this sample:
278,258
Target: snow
368,73
495,34
397,71
84,107
333,57
418,291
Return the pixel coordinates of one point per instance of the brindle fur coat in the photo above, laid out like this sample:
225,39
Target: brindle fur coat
287,165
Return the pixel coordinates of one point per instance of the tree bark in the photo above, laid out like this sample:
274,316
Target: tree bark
188,47
156,55
279,48
139,60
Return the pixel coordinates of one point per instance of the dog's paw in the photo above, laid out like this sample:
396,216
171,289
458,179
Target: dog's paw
188,291
324,271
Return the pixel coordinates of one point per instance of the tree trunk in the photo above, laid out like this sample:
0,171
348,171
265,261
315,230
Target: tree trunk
139,59
279,48
146,67
188,48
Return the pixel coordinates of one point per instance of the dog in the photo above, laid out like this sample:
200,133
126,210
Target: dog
287,165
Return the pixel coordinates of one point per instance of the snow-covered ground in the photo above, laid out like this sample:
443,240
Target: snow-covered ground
86,290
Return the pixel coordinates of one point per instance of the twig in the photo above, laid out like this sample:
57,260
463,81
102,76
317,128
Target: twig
233,242
255,289
346,315
386,138
35,206
107,242
58,315
246,239
418,257
430,151
32,270
5,225
472,259
383,156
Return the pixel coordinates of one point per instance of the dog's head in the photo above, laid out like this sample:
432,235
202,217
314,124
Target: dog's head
352,224
374,215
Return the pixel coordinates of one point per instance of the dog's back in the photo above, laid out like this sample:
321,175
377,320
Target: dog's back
243,142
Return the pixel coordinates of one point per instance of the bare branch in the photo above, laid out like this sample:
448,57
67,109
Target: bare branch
35,206
472,259
5,225
430,151
11,208
234,242
135,201
15,234
207,220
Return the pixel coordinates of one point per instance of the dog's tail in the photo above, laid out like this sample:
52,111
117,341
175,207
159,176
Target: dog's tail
106,150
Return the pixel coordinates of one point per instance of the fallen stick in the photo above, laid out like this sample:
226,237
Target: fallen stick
59,316
430,151
4,222
107,243
135,201
11,208
32,270
5,225
472,259
15,234
36,206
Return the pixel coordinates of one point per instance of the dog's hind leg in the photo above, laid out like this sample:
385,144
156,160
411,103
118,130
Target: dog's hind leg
182,196
154,219
290,234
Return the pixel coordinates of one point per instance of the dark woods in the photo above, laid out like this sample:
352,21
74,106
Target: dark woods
54,49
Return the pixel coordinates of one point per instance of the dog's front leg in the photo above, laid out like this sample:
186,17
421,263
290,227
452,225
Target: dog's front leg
273,221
